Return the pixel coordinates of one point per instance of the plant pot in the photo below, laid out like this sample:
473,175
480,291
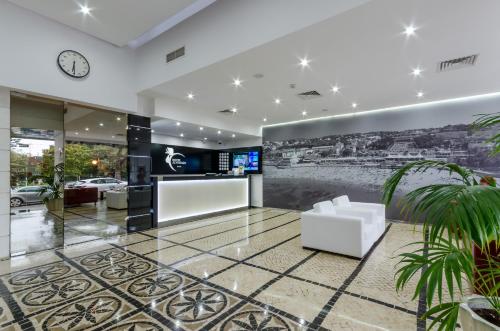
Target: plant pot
469,320
55,204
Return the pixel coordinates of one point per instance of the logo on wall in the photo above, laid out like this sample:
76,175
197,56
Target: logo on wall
174,160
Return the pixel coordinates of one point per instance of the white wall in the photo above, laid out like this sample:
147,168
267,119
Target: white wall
170,140
227,28
30,46
4,173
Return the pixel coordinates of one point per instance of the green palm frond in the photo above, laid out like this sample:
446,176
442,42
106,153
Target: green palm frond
488,120
446,314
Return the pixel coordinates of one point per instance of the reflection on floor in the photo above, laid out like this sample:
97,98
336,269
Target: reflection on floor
88,222
245,271
34,229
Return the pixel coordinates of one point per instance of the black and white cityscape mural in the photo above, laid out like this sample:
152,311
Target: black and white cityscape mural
308,162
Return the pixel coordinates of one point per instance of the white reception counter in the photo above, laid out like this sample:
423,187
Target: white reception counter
185,197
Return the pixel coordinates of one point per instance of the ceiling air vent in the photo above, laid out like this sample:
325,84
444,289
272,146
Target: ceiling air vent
176,54
309,95
461,62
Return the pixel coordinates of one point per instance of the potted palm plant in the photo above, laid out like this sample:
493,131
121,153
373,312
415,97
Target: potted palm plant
460,247
52,193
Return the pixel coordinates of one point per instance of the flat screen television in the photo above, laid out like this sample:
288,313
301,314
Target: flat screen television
249,160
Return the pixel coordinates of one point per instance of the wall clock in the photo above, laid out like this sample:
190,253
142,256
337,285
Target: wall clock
73,64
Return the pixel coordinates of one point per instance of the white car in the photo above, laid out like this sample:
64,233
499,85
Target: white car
102,184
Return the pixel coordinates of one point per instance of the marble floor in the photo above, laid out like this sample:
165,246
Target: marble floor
239,271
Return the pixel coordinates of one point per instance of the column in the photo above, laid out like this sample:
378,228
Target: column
4,173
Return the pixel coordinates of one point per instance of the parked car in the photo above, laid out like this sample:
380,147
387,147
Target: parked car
102,184
26,195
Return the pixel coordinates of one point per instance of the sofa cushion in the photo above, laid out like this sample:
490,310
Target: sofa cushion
324,207
342,201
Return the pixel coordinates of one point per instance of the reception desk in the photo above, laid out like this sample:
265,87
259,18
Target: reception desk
179,198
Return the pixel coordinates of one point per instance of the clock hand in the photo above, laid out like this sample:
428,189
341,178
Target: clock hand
73,67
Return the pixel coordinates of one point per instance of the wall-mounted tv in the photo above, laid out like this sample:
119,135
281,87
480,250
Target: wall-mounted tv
250,160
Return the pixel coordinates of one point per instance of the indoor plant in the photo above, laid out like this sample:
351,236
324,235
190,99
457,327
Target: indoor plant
458,218
54,190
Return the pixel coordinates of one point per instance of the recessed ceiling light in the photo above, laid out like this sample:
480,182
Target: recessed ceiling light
410,30
335,89
101,124
113,137
420,94
219,132
354,105
76,133
277,101
190,96
205,138
304,62
237,82
201,128
152,131
304,113
182,134
84,10
264,119
233,135
234,109
178,123
416,72
118,118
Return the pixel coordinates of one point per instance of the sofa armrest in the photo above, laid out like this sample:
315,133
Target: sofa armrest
367,215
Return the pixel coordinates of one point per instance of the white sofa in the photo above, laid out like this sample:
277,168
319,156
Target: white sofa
340,229
116,199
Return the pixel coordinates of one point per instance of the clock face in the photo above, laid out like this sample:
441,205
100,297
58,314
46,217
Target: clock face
73,64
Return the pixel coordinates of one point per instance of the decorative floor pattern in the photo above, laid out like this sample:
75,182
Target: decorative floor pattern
239,271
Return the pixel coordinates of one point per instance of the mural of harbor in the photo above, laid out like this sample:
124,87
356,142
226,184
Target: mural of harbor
301,171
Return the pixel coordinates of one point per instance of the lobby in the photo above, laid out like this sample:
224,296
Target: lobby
249,165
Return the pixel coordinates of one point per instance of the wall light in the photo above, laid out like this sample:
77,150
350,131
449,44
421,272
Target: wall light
410,30
84,10
277,101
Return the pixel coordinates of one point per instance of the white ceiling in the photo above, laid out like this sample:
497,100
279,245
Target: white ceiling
116,21
365,53
192,131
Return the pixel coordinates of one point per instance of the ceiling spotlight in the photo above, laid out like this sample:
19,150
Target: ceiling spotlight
304,113
113,137
277,101
101,124
304,62
76,133
86,129
118,118
178,123
264,119
219,132
335,89
201,128
182,134
420,94
190,96
84,10
416,72
205,138
234,109
152,131
237,82
354,105
410,30
233,135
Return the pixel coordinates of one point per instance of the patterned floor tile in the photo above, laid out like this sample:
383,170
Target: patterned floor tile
55,292
173,254
5,313
155,285
282,257
148,246
299,298
243,279
83,314
103,258
203,266
27,261
192,309
136,322
124,270
327,268
355,314
251,317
